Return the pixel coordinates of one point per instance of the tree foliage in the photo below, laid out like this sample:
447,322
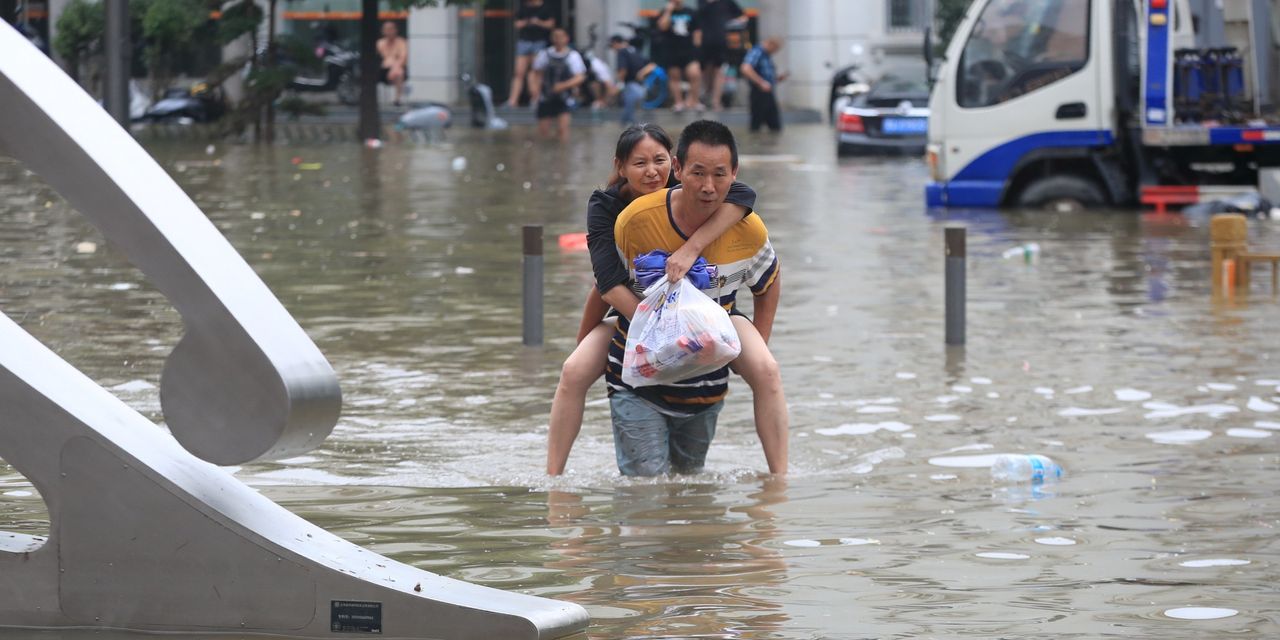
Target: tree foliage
169,28
948,15
238,19
79,34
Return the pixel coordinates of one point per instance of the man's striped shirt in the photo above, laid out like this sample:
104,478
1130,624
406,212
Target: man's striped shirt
742,256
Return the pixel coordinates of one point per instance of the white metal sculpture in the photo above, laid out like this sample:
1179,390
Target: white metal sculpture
143,535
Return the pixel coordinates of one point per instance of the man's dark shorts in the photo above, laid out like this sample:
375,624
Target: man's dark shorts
679,57
383,71
551,106
713,55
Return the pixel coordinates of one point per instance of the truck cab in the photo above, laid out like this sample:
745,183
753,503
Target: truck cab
1070,103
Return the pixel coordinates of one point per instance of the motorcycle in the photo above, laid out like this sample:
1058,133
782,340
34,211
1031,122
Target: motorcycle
186,106
339,72
847,83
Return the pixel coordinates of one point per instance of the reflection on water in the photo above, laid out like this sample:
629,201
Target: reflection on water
1105,353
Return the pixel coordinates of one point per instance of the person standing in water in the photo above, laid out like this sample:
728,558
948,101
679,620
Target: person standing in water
642,165
712,39
534,22
669,428
557,72
757,68
680,58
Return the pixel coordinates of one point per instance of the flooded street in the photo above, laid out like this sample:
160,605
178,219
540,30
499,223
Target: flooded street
1105,353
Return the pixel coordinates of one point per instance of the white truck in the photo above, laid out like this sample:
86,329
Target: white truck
1080,103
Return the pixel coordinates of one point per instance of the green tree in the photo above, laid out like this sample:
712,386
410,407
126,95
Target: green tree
947,17
79,34
169,27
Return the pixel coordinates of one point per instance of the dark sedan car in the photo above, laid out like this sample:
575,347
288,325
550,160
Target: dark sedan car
892,116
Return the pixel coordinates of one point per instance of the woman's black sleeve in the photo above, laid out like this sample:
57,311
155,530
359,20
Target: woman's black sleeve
602,212
742,195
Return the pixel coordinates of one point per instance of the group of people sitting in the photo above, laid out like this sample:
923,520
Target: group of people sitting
690,46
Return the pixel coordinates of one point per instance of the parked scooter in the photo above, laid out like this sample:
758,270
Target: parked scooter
339,73
483,114
199,104
847,83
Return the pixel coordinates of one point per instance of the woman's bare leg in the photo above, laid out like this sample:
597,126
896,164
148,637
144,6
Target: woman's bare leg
674,84
693,73
517,79
759,369
580,371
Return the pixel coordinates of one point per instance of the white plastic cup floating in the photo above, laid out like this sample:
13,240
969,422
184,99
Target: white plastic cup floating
1011,468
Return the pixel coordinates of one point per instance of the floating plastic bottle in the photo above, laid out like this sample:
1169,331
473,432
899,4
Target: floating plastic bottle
1020,468
1028,252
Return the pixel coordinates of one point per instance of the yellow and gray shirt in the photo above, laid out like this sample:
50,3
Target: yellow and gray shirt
742,256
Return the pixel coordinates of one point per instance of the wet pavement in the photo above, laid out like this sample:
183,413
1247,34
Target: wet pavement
1106,353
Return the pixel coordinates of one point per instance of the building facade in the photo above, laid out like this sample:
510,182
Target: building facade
478,39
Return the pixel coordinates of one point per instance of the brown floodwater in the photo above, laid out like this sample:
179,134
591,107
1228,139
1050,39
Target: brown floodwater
1106,352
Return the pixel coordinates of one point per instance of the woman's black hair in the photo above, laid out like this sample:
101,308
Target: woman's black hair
631,136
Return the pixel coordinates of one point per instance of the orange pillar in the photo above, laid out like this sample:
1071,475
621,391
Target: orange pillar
1227,236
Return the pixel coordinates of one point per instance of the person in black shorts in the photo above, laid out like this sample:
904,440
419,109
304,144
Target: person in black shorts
558,70
711,38
534,22
677,24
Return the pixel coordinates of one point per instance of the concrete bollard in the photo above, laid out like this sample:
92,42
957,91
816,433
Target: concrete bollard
955,294
1228,234
532,285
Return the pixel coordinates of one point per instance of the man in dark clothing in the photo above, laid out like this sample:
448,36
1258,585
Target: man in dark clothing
677,24
757,68
632,68
711,38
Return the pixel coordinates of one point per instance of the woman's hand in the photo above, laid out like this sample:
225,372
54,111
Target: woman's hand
679,263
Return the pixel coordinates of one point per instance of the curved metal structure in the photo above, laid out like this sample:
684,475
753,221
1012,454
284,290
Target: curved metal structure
143,535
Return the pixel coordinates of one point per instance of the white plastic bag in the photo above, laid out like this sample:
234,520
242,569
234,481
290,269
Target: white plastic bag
677,333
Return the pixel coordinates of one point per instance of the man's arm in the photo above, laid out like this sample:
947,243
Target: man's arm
401,52
766,307
571,82
738,15
679,263
664,21
749,72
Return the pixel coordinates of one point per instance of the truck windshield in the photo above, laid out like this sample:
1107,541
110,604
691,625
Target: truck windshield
1018,46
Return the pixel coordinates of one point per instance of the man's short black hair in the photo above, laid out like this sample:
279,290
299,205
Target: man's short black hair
710,133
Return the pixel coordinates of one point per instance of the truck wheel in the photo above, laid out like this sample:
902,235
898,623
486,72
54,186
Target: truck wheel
1062,193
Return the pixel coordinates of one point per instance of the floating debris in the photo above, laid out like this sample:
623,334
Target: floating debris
1200,613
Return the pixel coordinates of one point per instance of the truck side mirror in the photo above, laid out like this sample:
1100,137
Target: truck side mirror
928,56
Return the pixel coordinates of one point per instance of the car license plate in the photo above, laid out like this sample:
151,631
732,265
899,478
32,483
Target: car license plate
904,126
